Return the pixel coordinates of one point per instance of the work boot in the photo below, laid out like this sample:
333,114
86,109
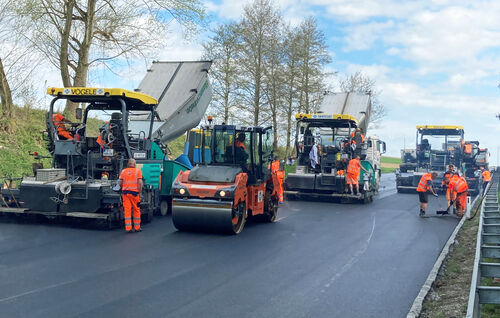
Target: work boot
139,230
422,214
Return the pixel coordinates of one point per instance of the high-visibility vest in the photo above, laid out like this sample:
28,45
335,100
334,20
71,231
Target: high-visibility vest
57,119
353,134
468,148
423,185
275,166
353,167
239,144
486,175
447,175
130,179
458,184
461,185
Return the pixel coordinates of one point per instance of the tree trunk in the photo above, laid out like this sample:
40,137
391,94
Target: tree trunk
82,68
64,53
5,94
227,88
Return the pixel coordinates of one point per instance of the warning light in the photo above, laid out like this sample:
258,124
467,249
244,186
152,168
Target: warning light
52,90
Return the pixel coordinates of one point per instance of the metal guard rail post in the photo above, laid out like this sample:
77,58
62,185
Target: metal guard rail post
487,246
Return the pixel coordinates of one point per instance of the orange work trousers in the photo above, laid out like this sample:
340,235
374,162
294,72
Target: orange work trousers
130,203
64,133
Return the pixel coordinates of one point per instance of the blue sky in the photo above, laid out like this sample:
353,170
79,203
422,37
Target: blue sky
435,61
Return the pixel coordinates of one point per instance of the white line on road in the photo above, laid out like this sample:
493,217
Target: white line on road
37,290
354,258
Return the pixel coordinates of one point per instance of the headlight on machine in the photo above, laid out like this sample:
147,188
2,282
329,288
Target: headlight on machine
182,191
225,193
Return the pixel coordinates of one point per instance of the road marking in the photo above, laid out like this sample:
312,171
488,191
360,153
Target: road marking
37,290
354,258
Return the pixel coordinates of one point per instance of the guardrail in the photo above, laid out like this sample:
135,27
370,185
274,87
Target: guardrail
487,247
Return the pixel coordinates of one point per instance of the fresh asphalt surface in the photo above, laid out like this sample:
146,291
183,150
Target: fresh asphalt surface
319,260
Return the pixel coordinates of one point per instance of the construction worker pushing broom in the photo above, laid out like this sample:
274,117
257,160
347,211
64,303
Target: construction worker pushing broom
423,189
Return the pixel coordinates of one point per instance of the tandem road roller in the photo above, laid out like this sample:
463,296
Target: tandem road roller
231,183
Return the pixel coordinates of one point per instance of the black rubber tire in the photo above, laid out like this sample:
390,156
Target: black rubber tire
165,206
242,216
271,209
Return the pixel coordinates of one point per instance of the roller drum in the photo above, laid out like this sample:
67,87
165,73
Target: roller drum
195,215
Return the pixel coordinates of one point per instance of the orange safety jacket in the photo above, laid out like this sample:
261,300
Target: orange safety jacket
353,134
130,179
354,167
275,166
458,185
240,145
468,148
58,121
447,175
486,176
423,185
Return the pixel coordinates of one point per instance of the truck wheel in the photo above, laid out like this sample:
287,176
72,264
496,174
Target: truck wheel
166,206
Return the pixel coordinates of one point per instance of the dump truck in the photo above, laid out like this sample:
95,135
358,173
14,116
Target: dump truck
333,129
85,169
232,182
437,147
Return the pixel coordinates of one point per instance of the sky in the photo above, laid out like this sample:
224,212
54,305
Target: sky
435,61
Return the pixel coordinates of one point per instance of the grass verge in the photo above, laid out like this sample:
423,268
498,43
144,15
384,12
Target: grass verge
389,164
449,295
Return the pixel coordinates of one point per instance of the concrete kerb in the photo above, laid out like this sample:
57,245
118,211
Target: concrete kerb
416,307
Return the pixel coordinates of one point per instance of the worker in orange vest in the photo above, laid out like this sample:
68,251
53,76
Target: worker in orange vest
131,185
59,122
444,184
353,172
423,189
486,178
102,139
275,167
357,135
459,188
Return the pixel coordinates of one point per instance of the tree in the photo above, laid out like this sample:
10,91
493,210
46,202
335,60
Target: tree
5,91
292,79
358,82
314,56
260,19
223,49
75,35
273,81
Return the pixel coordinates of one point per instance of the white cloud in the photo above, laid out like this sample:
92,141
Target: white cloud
362,37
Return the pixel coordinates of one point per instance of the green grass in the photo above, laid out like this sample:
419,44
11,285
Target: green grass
390,160
389,164
387,170
23,137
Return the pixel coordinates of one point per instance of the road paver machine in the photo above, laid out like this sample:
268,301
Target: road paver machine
437,147
334,134
116,125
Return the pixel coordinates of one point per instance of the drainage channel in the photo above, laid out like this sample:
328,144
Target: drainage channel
487,259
